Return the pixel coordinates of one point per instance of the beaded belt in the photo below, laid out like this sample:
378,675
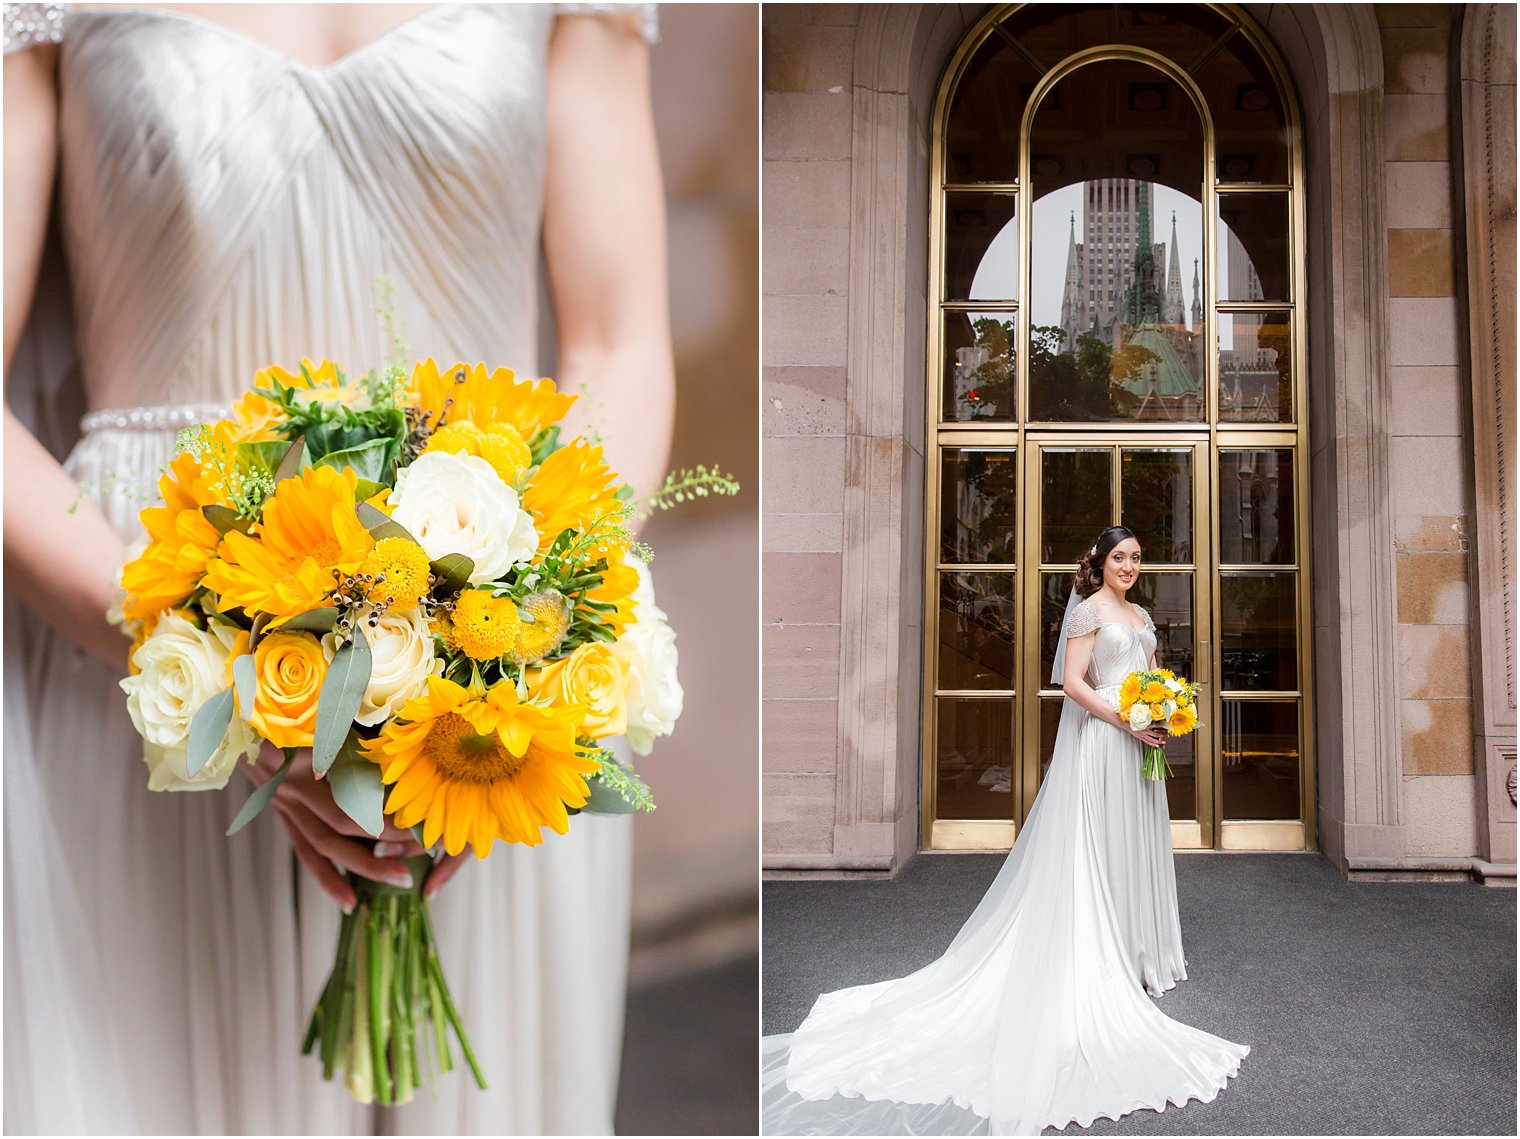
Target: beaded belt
169,417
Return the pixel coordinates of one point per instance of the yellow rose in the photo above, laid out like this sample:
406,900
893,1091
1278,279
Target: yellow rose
289,668
594,677
1158,713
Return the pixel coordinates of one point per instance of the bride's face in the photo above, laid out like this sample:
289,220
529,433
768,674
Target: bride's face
1122,565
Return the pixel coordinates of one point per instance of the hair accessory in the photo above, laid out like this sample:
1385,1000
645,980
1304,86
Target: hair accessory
1094,550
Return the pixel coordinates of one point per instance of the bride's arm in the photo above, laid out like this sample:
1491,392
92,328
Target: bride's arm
1079,652
604,242
60,552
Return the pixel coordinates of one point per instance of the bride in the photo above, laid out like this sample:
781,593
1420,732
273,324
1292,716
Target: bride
1037,1014
228,184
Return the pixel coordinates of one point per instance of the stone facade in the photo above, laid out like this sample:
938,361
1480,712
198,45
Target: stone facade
1408,113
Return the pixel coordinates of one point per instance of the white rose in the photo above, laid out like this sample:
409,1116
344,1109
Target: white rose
401,660
655,697
1174,685
1139,716
457,504
180,668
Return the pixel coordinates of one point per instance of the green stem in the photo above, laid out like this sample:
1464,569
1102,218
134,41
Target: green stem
376,1012
448,998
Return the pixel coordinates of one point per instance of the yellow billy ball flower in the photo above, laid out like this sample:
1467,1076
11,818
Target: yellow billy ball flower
290,668
484,627
548,620
405,569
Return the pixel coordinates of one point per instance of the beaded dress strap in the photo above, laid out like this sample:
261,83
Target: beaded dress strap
169,417
27,25
649,15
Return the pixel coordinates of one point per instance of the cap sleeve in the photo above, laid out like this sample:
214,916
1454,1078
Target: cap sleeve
29,24
648,15
1146,613
1084,619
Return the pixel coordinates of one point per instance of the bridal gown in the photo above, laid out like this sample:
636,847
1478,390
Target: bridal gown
1037,1015
222,207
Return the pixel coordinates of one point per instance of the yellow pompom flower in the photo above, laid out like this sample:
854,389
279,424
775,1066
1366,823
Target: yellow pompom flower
1154,692
181,541
499,444
486,398
1129,692
404,567
474,768
290,668
308,536
547,620
484,627
1182,721
572,488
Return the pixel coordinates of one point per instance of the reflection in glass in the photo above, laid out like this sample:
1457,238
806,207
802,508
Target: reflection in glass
1256,506
1253,247
1076,501
1167,596
1260,754
1258,639
979,366
1250,125
982,135
976,615
1156,501
981,247
1255,367
977,503
974,760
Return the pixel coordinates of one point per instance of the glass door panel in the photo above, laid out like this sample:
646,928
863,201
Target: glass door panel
976,623
1076,500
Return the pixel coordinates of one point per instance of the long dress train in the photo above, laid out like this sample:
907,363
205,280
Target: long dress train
223,207
1037,1014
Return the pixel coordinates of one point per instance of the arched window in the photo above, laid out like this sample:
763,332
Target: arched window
1117,251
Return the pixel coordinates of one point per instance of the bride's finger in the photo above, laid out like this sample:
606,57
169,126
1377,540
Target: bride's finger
325,873
345,851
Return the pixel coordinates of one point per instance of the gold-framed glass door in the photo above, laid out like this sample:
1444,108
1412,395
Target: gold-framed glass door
1117,338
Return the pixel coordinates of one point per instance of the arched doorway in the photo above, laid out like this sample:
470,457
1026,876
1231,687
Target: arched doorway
1117,334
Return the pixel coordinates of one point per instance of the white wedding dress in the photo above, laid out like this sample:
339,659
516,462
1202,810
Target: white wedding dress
1037,1015
222,207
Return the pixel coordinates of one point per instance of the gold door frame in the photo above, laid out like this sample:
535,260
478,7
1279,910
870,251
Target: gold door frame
1019,435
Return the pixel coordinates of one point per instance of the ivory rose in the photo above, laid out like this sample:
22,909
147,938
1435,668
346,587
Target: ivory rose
457,504
655,697
401,660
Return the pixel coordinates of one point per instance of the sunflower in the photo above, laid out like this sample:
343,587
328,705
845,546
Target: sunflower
180,543
572,488
309,535
1129,692
618,583
1154,692
474,768
255,415
1182,721
497,443
487,398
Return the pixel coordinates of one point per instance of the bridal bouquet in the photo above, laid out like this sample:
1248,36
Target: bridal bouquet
1147,699
418,579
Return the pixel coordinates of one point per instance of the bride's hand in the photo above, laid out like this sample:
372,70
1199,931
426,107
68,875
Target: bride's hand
323,835
1154,737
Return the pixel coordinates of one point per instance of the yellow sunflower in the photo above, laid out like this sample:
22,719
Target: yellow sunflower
308,536
474,768
617,587
487,398
1129,692
499,444
572,488
180,541
255,416
1154,692
1182,721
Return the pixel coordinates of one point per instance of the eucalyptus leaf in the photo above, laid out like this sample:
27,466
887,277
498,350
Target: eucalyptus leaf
290,463
224,518
338,701
381,525
455,570
262,794
207,730
356,787
317,621
260,623
246,683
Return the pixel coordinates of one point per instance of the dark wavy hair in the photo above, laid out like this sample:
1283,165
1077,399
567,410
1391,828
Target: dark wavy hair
1089,575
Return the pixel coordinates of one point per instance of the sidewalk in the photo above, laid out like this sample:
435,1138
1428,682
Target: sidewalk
1371,1008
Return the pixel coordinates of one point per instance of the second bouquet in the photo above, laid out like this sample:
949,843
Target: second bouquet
417,578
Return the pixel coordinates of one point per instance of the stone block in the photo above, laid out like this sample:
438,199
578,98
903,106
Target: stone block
1417,129
801,589
802,401
803,58
1419,195
1440,532
800,661
810,15
1414,59
803,475
1433,663
800,735
1420,263
1423,330
813,195
808,330
798,813
806,261
1428,475
1441,816
806,126
1436,737
1413,15
802,532
1427,400
1432,589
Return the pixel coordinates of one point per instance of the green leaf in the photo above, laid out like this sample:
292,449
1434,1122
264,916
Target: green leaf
338,701
246,683
416,830
262,794
369,460
224,518
263,456
364,488
290,463
260,623
356,787
207,729
455,570
317,621
380,525
544,444
617,790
